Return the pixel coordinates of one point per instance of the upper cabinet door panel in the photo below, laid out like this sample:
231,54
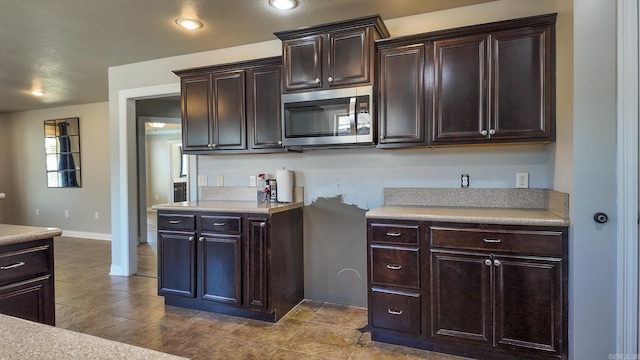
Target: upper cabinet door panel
349,57
303,63
401,99
460,104
263,107
228,110
521,83
196,130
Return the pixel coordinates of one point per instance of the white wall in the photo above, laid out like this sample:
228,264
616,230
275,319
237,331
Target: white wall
158,180
25,182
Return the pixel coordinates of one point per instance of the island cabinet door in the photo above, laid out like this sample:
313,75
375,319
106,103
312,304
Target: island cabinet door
529,307
461,298
220,260
257,297
177,263
30,300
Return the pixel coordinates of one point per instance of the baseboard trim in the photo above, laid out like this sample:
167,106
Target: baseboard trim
86,235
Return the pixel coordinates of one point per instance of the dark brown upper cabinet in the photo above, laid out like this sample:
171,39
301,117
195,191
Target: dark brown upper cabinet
481,84
224,107
331,55
401,103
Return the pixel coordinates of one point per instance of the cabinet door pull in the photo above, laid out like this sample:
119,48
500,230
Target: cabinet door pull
263,224
173,222
394,312
201,238
394,267
395,234
9,267
492,240
496,262
218,224
191,238
487,262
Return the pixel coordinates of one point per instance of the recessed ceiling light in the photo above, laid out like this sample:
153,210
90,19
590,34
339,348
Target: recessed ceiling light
37,92
189,24
283,4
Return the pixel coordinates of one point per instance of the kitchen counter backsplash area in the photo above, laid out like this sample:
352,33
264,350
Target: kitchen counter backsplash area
240,193
540,199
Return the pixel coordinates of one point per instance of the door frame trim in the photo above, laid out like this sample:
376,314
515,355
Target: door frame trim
628,83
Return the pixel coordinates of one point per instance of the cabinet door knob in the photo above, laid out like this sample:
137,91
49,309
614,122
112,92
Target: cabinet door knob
381,137
201,238
317,80
263,224
214,145
279,142
496,262
600,218
330,79
191,238
492,132
484,132
488,262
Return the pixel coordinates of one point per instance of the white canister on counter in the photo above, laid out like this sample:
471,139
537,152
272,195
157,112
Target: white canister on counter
284,179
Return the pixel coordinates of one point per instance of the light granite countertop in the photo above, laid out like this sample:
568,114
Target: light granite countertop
22,339
533,207
497,216
230,206
12,234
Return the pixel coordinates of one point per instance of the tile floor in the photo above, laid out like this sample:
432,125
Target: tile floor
127,309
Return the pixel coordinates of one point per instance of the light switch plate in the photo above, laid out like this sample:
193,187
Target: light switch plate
202,180
252,180
220,180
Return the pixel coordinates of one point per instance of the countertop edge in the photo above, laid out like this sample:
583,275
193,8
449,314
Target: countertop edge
14,234
229,207
524,217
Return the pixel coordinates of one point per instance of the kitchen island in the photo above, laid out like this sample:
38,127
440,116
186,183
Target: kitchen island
26,272
23,339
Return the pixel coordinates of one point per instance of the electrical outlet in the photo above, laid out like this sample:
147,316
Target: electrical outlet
522,180
464,180
37,211
66,213
97,215
220,180
252,180
202,180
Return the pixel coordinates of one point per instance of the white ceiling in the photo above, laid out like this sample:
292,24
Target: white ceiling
66,46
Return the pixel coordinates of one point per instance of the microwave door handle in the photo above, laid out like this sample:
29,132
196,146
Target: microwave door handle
352,115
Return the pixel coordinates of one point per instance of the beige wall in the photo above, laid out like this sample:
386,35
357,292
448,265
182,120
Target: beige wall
27,187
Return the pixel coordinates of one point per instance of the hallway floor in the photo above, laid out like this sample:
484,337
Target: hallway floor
128,309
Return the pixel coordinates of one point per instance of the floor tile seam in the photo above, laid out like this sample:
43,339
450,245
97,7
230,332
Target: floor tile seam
316,322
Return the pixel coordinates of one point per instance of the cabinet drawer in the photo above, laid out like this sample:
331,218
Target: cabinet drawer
395,266
395,233
24,264
176,222
221,224
396,311
521,241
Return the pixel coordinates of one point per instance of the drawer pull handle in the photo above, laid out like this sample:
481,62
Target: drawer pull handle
395,234
218,224
173,222
9,267
394,267
394,312
492,240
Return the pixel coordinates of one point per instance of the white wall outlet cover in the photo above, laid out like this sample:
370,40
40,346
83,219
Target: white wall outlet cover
202,180
220,180
522,180
252,180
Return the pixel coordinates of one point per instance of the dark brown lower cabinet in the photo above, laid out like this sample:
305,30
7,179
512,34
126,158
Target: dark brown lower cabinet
246,265
487,291
26,281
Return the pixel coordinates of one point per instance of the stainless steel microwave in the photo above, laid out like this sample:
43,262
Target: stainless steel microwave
328,117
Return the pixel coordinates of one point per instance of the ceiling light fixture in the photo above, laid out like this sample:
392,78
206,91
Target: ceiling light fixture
283,4
157,125
189,24
37,92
